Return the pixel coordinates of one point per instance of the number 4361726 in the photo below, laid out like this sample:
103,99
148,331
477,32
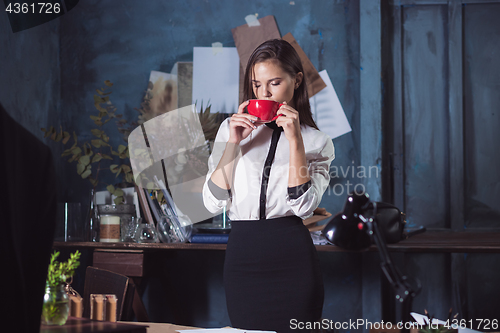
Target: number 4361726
34,8
479,324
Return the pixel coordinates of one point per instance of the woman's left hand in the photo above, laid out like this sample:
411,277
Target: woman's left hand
290,122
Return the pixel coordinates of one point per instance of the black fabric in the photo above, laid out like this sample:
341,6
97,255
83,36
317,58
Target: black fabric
274,126
28,207
296,191
218,192
272,275
267,171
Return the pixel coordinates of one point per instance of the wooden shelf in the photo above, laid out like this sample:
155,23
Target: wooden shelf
430,241
140,246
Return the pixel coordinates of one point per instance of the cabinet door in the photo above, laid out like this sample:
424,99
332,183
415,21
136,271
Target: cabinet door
442,107
442,110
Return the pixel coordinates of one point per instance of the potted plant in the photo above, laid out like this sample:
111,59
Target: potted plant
55,308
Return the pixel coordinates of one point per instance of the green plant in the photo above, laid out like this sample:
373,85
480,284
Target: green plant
90,156
95,152
55,305
59,272
210,122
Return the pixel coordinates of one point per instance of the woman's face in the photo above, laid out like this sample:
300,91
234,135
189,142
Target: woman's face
270,81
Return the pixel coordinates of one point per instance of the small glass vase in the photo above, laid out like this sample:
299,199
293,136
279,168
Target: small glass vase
146,233
55,308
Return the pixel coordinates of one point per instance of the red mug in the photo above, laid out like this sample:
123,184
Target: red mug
265,109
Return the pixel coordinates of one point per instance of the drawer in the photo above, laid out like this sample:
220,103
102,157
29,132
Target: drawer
126,262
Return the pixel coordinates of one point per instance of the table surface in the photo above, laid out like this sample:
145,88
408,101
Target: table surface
161,327
429,241
85,325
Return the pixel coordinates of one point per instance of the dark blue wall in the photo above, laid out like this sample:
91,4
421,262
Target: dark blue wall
48,76
64,61
123,41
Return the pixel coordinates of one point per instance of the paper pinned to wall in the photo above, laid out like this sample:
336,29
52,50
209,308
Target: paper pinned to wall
216,78
314,82
216,47
247,38
252,20
162,89
327,110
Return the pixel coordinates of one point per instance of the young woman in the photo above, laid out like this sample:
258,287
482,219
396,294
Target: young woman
270,177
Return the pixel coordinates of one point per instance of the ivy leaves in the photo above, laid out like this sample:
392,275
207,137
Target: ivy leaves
90,155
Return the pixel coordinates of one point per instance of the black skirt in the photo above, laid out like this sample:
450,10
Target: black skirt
272,275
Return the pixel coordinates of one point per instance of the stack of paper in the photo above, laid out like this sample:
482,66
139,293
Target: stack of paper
223,330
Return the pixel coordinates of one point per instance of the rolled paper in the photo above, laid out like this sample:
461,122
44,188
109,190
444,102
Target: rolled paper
75,306
110,228
98,308
111,308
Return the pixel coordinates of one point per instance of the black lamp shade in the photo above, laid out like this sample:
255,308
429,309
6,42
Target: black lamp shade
346,229
345,232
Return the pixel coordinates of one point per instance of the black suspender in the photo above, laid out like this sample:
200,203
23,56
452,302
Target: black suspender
267,170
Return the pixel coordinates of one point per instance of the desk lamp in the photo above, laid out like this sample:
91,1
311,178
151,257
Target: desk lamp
355,229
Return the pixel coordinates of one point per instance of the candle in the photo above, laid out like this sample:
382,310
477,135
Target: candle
76,306
110,228
97,308
111,308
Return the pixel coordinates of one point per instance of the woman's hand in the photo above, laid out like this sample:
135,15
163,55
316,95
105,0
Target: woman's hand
241,125
290,123
298,172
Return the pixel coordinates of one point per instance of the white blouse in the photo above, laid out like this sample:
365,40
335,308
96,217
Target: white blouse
245,194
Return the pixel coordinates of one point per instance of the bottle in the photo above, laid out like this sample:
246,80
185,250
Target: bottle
92,219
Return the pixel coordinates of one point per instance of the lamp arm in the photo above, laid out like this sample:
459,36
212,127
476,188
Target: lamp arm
402,288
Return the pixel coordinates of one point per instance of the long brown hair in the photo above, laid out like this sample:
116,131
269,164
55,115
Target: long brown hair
281,51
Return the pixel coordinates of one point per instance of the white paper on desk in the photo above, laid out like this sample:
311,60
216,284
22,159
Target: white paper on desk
222,330
327,110
424,320
216,78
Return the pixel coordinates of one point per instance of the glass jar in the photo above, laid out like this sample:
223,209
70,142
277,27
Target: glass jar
125,213
129,228
55,308
146,233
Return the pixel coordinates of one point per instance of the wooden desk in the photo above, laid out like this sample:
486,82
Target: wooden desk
430,241
84,325
162,327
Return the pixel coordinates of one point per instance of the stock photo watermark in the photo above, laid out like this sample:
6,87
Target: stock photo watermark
356,177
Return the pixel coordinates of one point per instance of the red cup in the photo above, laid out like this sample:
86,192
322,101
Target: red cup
264,109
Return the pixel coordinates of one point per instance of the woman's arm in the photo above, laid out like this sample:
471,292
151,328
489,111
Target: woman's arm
223,174
240,127
303,199
307,181
298,173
